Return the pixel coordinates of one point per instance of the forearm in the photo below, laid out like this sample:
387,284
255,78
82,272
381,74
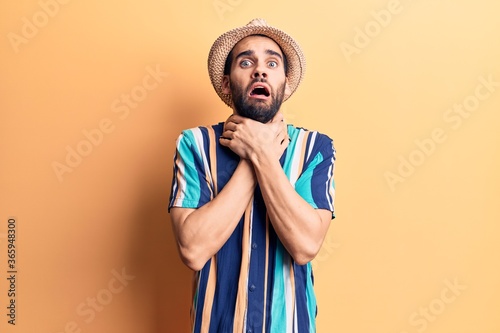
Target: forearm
202,232
299,226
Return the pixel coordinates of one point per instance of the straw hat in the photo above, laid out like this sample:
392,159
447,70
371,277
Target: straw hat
225,43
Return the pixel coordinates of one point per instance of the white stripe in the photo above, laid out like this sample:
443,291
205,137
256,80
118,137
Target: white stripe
294,169
288,292
250,234
176,157
182,179
174,188
329,185
249,257
311,144
198,135
295,325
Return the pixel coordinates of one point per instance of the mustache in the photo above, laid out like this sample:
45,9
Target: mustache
256,80
259,80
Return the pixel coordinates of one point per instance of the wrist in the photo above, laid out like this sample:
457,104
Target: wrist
263,160
247,167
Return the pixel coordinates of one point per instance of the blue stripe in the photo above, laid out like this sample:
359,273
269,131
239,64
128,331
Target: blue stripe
227,161
300,298
203,277
228,271
320,180
257,265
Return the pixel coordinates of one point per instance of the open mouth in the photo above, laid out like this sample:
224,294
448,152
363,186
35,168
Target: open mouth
259,91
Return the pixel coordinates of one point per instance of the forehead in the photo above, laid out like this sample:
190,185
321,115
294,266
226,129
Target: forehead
256,43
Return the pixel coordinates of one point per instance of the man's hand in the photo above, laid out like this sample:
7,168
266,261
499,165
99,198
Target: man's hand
249,138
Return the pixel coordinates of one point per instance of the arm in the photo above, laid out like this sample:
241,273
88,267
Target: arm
300,227
201,232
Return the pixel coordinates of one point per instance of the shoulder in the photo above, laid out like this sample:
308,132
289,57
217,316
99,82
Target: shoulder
199,134
312,139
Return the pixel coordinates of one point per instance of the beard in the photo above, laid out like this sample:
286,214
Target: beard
257,109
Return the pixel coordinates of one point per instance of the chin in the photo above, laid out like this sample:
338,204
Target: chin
261,110
257,114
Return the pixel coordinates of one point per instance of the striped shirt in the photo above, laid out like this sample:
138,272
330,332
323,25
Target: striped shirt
252,284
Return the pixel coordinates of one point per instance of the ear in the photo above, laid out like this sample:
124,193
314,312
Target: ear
226,86
288,90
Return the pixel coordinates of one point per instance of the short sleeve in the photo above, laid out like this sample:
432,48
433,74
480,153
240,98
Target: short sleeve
191,183
316,183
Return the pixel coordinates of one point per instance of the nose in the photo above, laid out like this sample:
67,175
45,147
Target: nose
260,71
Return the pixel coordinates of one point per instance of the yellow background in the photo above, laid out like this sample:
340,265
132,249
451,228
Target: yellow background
392,252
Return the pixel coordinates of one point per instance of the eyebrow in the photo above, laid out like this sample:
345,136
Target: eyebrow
244,54
248,53
274,53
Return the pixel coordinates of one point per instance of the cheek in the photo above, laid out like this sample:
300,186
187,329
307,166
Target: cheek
279,85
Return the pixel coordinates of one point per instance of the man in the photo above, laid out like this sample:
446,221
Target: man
252,198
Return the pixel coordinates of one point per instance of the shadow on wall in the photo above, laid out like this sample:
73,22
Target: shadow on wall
163,290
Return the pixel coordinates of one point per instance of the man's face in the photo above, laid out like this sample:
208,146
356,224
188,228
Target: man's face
257,81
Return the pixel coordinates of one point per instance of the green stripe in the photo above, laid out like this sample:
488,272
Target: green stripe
287,166
311,300
186,147
278,310
303,185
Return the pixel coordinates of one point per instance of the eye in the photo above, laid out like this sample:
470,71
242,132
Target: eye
272,64
245,63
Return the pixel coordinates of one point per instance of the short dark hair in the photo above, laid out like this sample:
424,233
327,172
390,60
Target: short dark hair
229,59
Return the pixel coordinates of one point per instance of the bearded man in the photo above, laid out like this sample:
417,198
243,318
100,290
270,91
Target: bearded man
252,197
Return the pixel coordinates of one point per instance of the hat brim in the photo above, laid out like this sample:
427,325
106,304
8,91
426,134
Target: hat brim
226,42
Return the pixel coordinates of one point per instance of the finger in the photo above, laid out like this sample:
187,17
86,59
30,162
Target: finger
281,130
229,120
234,118
280,135
285,128
230,126
224,141
229,135
286,142
283,136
